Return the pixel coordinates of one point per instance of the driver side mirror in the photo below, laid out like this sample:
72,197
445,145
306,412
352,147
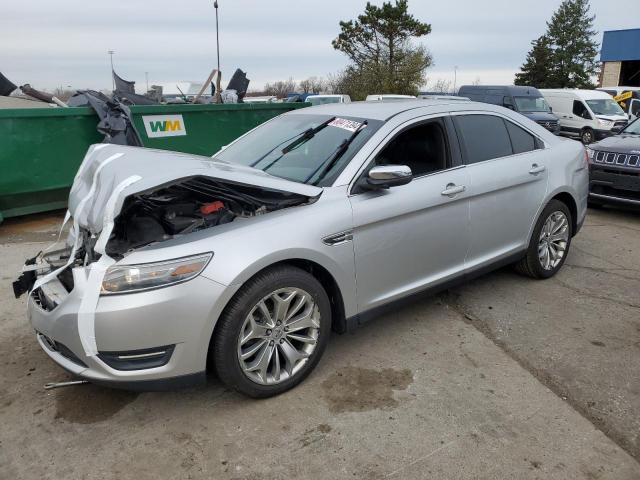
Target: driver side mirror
386,176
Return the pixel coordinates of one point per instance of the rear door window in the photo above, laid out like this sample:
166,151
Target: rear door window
484,137
521,140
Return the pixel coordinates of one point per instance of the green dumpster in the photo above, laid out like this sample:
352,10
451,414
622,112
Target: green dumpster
41,149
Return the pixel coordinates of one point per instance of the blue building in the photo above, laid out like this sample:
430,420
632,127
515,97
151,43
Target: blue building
620,57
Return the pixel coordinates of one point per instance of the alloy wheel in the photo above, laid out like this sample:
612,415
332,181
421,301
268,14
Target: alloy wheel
278,336
554,237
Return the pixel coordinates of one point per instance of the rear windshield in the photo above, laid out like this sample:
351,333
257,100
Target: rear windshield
311,149
633,128
322,100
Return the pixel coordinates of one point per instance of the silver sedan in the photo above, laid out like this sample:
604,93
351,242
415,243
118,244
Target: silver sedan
317,220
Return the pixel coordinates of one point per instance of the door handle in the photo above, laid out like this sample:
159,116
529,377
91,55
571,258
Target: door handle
536,169
451,190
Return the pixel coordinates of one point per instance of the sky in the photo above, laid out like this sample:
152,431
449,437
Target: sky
64,43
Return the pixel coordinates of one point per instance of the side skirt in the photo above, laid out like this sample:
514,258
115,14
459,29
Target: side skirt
430,290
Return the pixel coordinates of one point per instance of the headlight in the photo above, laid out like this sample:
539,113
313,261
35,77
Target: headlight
131,278
605,123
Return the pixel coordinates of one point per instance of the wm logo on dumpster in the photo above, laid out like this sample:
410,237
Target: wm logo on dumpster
164,126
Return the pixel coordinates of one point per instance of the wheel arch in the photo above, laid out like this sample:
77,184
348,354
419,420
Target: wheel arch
572,205
320,272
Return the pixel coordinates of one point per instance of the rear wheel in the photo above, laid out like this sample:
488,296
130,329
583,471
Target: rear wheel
273,332
549,243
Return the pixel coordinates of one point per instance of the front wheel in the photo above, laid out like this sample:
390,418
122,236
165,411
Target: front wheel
549,243
587,136
273,332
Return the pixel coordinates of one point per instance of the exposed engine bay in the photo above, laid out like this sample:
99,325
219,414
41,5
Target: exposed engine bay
167,211
188,206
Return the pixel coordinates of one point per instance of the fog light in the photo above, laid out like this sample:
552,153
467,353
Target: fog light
138,359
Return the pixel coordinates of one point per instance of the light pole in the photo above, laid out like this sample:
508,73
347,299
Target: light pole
218,98
146,77
113,80
455,78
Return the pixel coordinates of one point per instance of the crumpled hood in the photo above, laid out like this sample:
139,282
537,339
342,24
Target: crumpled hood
619,144
105,167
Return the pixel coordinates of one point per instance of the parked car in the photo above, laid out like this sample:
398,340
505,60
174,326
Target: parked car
429,96
627,97
316,220
260,99
389,97
615,168
588,115
525,100
321,99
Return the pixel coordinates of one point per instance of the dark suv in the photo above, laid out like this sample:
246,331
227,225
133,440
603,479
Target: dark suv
615,168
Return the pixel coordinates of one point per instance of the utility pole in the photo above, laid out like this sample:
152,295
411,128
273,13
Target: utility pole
113,80
218,97
146,76
455,78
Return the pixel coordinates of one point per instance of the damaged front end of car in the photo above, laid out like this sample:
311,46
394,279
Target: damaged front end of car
125,199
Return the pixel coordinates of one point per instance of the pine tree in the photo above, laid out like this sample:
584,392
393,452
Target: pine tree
571,33
383,55
538,65
567,55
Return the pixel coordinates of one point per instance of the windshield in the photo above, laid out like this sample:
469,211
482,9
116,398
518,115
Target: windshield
633,128
605,107
532,104
310,149
322,100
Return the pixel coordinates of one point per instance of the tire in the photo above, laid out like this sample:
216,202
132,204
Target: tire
260,297
532,265
587,136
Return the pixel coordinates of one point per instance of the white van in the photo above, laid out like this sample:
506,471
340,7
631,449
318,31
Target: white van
627,97
589,115
327,98
390,97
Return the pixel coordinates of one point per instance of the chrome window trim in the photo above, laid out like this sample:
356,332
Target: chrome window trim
385,141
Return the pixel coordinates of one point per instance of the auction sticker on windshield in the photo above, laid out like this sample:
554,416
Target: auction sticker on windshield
345,124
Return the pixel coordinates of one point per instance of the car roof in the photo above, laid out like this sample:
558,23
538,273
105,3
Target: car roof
382,110
512,89
576,92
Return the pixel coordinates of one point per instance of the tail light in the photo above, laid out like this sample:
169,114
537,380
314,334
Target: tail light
588,157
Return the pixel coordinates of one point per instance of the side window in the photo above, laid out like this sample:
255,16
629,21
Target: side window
580,110
521,140
484,137
635,108
422,148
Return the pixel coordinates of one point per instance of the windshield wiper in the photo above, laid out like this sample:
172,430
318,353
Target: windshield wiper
328,164
304,136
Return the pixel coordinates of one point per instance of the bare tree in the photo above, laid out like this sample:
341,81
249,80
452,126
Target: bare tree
312,85
334,83
441,86
280,88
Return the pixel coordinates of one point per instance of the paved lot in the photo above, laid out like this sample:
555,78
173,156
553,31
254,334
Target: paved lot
502,378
